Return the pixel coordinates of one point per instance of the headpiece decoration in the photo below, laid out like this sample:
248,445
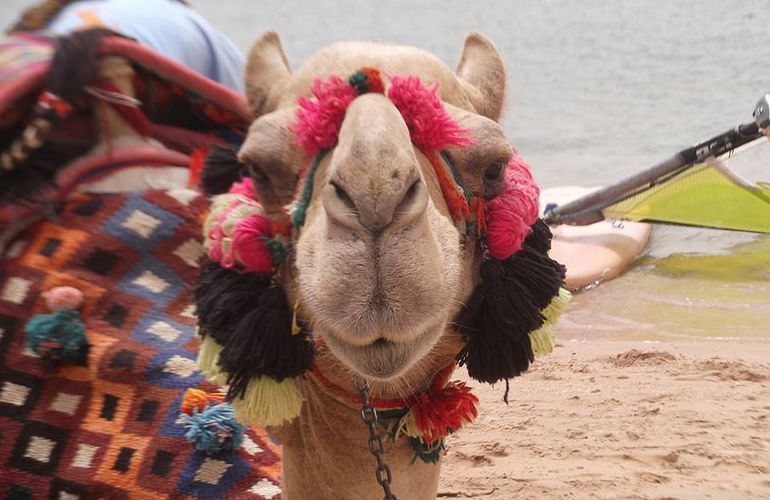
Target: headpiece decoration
254,343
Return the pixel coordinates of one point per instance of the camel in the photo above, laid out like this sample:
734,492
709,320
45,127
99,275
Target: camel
380,268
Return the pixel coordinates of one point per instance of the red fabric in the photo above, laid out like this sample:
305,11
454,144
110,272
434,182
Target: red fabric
197,162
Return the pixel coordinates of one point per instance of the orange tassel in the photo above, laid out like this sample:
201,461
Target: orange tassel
196,399
455,198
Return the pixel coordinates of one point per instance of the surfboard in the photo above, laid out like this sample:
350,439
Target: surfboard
597,252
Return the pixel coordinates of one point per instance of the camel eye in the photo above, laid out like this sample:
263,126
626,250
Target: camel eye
493,171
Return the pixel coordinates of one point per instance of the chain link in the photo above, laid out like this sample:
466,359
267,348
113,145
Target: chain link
376,448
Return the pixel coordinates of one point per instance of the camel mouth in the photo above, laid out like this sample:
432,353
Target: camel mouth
381,360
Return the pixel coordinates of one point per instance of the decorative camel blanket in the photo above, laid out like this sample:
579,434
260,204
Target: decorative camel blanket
112,428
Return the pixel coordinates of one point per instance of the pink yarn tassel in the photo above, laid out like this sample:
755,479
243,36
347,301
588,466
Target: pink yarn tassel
249,246
319,120
511,213
430,126
244,187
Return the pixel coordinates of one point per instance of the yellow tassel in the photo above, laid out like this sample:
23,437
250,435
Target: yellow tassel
557,306
542,338
208,356
407,426
268,402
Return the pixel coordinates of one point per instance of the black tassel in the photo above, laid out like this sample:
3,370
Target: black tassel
252,321
225,296
540,238
221,170
263,344
506,306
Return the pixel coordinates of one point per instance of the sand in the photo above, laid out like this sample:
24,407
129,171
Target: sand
606,419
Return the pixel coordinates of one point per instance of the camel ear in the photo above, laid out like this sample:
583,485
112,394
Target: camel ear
267,72
482,74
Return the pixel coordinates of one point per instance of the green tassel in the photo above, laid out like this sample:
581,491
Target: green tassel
429,455
277,250
59,337
268,402
360,81
298,212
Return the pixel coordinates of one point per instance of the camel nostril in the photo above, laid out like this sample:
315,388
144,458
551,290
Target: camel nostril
409,195
343,196
411,192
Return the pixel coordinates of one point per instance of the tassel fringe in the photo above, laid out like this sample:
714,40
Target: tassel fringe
267,402
542,339
208,360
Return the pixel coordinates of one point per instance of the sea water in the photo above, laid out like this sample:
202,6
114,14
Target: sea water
597,90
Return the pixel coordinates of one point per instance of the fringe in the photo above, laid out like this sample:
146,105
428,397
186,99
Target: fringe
267,402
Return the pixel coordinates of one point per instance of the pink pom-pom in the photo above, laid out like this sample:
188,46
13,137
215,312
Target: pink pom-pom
63,297
511,214
429,124
244,187
319,120
249,243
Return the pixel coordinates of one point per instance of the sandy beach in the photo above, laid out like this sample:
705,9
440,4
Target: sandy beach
617,419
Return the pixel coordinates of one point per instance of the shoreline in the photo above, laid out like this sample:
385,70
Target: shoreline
621,419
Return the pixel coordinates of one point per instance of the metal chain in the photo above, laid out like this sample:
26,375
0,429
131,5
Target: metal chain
376,448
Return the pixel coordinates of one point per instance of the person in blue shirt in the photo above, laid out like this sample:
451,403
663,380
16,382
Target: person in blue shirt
170,27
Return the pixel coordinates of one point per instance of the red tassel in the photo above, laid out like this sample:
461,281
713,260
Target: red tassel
439,412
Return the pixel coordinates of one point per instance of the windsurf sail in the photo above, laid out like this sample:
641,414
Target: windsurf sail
695,187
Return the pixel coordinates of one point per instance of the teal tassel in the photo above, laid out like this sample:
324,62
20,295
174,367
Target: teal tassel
428,455
59,337
277,250
214,429
360,81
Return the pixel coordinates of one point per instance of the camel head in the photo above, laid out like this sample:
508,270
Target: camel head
381,267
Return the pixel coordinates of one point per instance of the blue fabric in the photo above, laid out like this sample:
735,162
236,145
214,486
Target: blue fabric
166,26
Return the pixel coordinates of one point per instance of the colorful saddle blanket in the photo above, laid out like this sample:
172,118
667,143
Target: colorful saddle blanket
112,428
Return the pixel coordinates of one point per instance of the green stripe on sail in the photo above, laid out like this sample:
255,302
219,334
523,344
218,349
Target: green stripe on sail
702,195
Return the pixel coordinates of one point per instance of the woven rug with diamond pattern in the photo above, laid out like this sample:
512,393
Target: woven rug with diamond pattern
112,429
